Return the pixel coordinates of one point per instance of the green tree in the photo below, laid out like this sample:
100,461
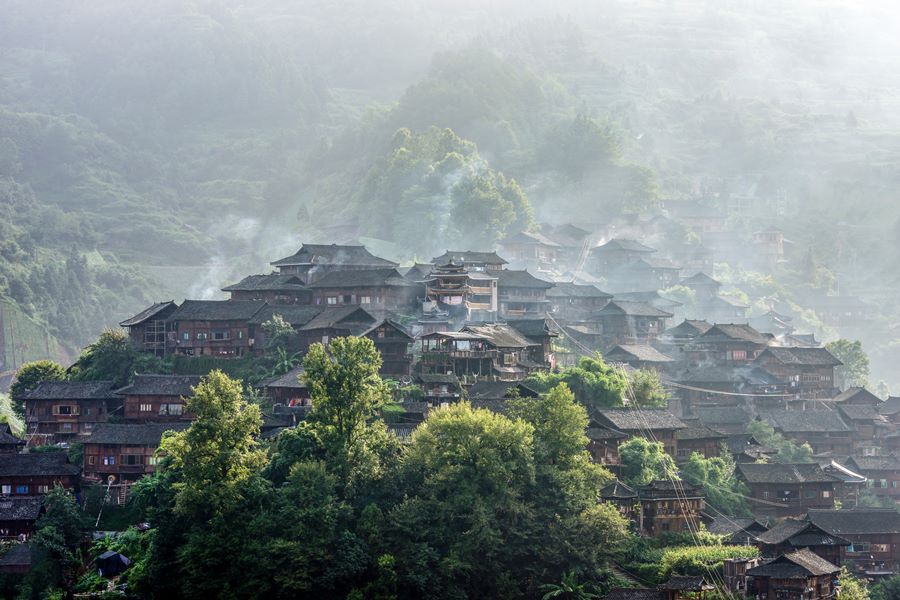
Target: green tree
644,461
29,376
855,370
851,587
110,357
886,589
715,476
646,389
787,451
60,530
594,383
568,588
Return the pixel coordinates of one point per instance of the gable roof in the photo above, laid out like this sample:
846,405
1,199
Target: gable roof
689,328
698,432
508,278
499,390
856,521
700,278
806,421
293,314
534,328
468,257
20,508
858,394
393,325
651,297
566,289
617,491
130,434
733,526
37,464
814,357
333,254
19,555
735,331
800,533
724,415
641,419
891,406
874,463
624,244
637,353
861,412
784,473
7,438
161,385
217,310
796,565
355,318
160,308
72,390
631,309
270,282
528,237
290,380
361,278
500,335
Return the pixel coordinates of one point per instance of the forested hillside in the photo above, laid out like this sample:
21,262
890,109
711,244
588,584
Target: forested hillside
158,150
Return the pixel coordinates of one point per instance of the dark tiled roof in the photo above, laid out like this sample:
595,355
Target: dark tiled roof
37,463
617,491
796,565
624,244
725,525
20,508
664,488
736,374
349,316
144,434
7,438
161,385
806,421
731,331
636,594
270,282
689,328
639,419
498,390
535,328
574,290
856,394
500,335
333,254
294,315
857,521
698,432
361,279
627,353
800,533
217,310
655,263
17,556
508,278
467,257
814,357
724,415
891,406
632,309
448,378
784,473
604,433
148,313
685,583
393,325
700,278
860,412
528,237
653,298
72,390
874,463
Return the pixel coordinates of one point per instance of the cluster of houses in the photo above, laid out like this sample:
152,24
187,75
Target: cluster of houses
476,324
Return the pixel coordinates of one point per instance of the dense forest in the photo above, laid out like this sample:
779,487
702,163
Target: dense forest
157,151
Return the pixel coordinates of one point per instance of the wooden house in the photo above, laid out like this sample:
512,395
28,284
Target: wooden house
148,330
603,445
541,332
36,473
219,328
732,420
18,515
492,351
373,289
468,295
616,253
699,438
800,574
157,398
332,322
472,261
59,411
638,357
791,535
655,423
723,309
393,343
531,250
668,507
294,315
122,453
574,243
678,587
651,297
521,295
873,534
623,498
857,396
274,288
313,261
646,273
439,388
17,560
869,427
704,287
288,389
726,343
809,371
623,322
741,531
824,430
9,444
701,385
572,302
783,490
882,474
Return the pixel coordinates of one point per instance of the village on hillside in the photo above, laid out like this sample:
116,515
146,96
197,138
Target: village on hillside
475,324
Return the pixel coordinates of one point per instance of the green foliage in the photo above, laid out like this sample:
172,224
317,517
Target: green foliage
787,450
645,389
851,587
9,415
886,589
568,588
644,461
715,476
701,560
29,376
594,383
110,357
855,370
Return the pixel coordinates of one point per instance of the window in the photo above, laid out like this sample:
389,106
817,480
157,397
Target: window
170,409
6,489
87,411
87,426
881,548
202,335
331,300
146,407
21,489
346,299
64,410
65,427
109,460
826,494
884,483
43,489
92,460
131,459
220,335
153,460
186,336
765,495
240,334
365,299
859,547
809,494
738,355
